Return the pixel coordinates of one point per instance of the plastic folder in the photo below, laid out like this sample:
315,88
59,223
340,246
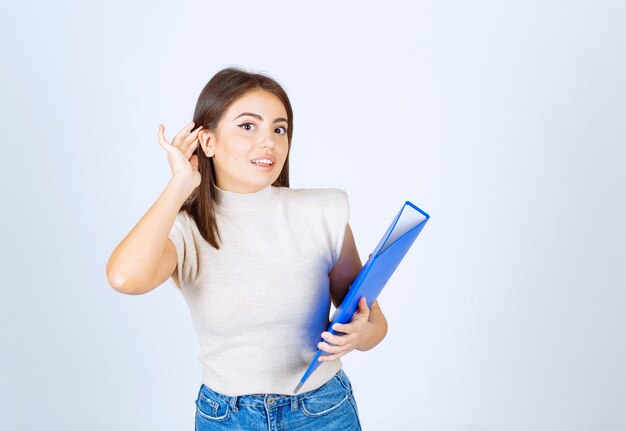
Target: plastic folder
381,264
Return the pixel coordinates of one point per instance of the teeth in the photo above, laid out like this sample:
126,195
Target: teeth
264,161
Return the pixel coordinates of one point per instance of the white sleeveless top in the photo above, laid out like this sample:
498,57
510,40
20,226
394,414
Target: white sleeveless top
260,303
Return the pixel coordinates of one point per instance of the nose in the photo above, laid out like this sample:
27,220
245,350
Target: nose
267,140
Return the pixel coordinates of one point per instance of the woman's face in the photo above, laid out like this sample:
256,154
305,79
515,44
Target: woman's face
253,127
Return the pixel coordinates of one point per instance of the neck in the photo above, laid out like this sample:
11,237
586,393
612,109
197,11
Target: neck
235,203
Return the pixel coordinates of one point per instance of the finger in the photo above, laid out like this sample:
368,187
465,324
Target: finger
331,357
194,161
191,142
188,147
179,138
334,339
192,137
365,310
341,327
363,302
328,348
162,141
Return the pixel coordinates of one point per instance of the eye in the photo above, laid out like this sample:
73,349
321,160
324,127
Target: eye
284,130
245,124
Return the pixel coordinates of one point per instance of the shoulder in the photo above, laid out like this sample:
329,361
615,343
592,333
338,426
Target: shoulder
183,224
182,219
328,206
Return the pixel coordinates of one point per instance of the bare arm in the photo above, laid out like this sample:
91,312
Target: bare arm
132,267
360,333
346,269
146,257
377,324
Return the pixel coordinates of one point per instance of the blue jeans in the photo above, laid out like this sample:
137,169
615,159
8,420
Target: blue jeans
330,407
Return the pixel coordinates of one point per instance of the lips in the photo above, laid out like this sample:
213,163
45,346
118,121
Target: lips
265,156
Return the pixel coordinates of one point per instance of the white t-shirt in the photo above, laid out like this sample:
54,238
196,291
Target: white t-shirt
261,302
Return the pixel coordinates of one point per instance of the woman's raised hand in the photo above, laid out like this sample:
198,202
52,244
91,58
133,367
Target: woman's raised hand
179,153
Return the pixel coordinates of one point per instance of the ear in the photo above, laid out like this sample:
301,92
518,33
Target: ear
206,138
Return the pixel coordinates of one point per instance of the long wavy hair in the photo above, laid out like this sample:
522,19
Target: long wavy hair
218,94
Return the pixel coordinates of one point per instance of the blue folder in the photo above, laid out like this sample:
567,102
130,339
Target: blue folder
381,264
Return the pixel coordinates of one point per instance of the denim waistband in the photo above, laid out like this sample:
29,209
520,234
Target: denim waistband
271,401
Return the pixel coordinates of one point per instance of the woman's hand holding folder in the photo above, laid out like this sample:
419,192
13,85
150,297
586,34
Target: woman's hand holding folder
356,333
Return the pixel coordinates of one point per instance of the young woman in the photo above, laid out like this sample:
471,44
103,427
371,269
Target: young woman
257,263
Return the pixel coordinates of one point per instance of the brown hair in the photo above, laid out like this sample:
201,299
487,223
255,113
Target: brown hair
218,94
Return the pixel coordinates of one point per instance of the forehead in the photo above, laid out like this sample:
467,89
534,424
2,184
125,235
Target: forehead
260,102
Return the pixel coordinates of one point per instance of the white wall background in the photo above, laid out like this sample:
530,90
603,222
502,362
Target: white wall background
500,119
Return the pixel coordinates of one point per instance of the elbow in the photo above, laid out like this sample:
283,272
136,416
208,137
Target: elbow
118,283
126,285
115,280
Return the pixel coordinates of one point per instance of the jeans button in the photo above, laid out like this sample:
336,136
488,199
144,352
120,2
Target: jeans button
270,400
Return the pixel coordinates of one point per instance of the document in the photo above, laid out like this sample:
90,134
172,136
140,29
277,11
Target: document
373,277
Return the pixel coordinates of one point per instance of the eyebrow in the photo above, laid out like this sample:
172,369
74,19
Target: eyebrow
260,118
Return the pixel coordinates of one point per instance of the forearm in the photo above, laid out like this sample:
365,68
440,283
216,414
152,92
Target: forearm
136,257
376,329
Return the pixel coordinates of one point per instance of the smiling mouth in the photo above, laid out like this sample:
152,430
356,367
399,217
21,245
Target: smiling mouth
263,167
262,163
